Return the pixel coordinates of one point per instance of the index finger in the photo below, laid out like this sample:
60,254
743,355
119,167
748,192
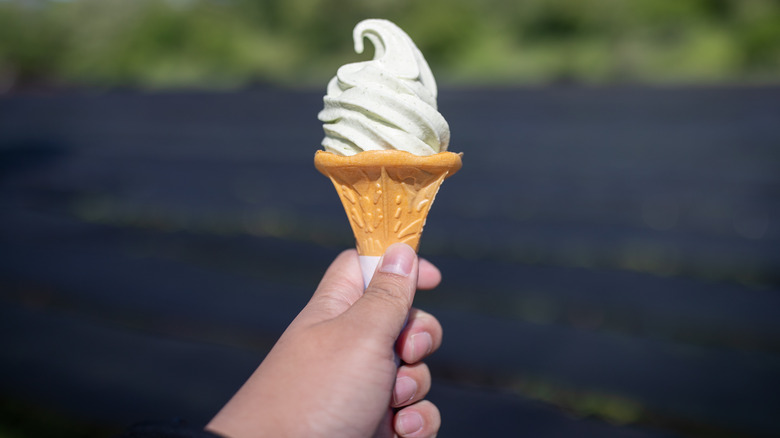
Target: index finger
429,276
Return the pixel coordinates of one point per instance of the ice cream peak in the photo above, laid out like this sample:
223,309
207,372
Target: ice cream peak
388,102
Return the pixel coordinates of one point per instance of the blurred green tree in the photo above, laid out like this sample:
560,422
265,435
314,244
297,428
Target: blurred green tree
231,43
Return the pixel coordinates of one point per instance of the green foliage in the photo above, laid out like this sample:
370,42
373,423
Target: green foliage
229,43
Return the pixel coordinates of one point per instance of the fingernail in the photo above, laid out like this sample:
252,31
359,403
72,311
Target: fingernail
404,390
422,344
398,259
409,423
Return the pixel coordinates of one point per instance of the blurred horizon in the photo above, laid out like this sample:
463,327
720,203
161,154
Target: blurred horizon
230,44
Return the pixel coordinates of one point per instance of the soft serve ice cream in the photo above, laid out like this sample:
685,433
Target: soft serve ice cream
385,142
388,102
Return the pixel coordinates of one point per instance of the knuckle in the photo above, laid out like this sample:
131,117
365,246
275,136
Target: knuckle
393,290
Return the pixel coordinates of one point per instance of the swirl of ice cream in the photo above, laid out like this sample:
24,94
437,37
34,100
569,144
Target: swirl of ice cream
388,102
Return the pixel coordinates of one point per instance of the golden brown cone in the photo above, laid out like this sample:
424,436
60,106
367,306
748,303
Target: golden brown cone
387,194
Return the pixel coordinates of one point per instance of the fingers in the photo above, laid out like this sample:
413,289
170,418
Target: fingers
421,337
430,276
343,278
384,306
412,384
342,283
420,420
339,288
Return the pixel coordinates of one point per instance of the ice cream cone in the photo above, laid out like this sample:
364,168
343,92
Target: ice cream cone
386,194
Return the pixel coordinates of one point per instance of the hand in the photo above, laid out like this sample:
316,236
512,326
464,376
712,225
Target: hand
333,372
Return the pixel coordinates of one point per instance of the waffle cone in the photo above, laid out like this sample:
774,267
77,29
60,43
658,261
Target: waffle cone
387,194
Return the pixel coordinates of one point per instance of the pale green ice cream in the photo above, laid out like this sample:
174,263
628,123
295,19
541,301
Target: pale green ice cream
388,102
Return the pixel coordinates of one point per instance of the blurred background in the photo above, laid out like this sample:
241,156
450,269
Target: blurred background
610,250
231,43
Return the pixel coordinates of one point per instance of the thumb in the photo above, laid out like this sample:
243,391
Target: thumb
388,298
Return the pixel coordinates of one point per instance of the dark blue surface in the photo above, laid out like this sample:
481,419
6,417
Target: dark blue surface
607,253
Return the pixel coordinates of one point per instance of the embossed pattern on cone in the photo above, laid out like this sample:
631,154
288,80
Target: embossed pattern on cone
387,194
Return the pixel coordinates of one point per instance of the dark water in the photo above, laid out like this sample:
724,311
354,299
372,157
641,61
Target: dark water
610,256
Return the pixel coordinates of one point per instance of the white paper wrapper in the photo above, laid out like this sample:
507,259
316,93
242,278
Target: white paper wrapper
368,265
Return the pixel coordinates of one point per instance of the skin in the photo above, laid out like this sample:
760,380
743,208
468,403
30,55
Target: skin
333,372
